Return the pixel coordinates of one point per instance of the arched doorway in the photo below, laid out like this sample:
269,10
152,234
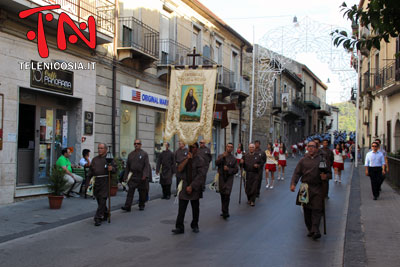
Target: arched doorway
397,136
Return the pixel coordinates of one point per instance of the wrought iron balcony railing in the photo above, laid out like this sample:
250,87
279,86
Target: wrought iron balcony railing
173,53
79,10
139,36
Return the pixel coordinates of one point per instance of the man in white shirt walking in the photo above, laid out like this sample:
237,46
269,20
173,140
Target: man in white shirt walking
375,168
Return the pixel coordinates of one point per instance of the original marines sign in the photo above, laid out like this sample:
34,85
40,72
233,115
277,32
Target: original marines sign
143,97
61,81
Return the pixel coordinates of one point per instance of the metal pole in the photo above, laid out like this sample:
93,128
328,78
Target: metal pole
109,196
358,101
252,91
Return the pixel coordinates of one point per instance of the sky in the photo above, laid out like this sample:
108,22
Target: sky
265,16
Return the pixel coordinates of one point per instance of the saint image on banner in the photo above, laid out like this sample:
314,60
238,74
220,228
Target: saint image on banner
191,103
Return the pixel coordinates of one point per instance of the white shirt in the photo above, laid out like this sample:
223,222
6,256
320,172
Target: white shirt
83,162
338,158
282,156
374,159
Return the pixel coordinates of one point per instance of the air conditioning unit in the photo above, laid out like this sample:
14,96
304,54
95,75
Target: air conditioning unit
236,85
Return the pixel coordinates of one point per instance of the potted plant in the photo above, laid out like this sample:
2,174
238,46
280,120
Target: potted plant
115,176
57,185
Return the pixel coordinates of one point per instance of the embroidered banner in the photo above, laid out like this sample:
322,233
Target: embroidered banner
191,103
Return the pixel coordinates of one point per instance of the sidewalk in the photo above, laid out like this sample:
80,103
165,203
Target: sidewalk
373,229
32,216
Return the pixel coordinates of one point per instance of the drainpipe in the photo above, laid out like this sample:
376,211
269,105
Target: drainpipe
114,104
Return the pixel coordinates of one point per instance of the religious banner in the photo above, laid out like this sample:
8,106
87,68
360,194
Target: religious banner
191,104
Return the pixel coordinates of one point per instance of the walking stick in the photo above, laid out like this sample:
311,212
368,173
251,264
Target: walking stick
240,187
109,197
324,218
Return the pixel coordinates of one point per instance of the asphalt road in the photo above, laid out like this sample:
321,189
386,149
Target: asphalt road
270,234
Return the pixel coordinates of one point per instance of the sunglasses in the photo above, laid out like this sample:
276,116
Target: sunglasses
137,143
374,146
311,146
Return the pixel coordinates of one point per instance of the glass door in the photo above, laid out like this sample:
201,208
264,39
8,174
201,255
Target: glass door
53,137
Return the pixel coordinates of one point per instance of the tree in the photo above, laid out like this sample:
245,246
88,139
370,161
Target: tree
381,17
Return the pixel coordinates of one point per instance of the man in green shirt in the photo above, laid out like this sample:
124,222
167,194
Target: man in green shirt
73,181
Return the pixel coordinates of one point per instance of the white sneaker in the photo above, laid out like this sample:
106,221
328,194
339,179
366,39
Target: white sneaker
271,187
267,186
335,180
282,178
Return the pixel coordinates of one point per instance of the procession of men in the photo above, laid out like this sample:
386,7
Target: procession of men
190,165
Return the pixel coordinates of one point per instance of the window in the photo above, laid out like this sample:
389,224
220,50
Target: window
376,125
235,69
128,129
126,36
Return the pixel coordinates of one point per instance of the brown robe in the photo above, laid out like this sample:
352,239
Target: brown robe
138,164
166,163
97,167
197,181
180,155
263,157
226,177
307,170
252,174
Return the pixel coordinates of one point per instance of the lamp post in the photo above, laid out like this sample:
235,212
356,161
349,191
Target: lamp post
109,159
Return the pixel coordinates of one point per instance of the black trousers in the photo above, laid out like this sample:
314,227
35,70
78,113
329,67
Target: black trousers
142,196
225,203
166,189
182,211
375,174
312,218
102,210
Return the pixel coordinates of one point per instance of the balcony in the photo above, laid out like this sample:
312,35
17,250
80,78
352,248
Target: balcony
139,41
78,10
291,110
312,101
387,81
243,90
225,80
171,53
325,109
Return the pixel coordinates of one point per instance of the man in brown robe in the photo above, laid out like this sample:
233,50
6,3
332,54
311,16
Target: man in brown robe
227,168
252,162
137,164
263,156
180,155
205,153
308,171
191,189
100,168
165,163
328,154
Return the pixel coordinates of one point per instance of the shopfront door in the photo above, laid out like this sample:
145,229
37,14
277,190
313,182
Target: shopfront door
43,131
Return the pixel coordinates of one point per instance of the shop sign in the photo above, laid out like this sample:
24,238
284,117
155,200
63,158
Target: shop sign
135,95
61,81
88,123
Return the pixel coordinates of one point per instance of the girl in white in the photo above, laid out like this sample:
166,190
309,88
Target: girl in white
276,149
270,167
282,161
338,162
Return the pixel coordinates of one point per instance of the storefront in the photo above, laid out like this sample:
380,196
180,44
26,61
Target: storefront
44,111
143,117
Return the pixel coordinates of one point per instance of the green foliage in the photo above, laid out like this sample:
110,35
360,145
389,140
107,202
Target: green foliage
347,116
115,176
57,184
381,17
